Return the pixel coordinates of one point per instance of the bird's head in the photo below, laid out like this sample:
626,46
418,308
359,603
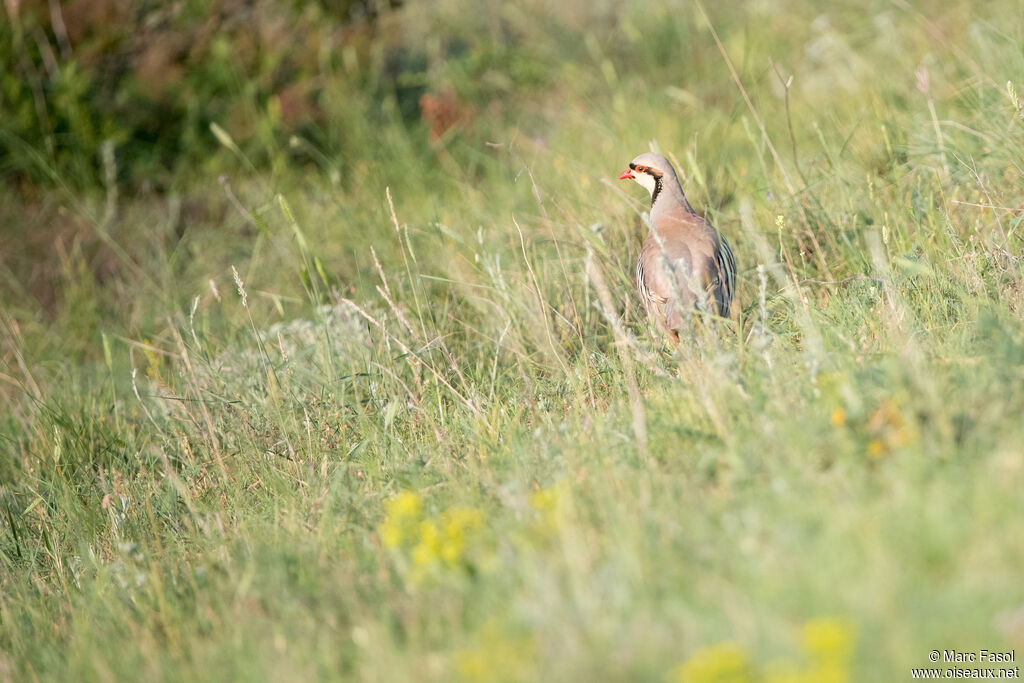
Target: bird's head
647,170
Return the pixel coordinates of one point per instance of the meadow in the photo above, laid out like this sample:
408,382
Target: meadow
337,382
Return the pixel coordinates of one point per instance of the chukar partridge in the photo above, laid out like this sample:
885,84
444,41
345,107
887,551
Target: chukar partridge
685,263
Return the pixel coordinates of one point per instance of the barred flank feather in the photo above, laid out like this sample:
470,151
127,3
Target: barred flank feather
726,262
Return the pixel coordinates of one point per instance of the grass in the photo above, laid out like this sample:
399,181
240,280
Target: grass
401,418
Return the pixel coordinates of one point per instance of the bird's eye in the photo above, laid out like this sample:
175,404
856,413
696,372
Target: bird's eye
642,169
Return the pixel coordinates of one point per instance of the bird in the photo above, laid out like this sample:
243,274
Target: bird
685,263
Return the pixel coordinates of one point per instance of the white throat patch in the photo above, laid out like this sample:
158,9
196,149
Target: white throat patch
645,180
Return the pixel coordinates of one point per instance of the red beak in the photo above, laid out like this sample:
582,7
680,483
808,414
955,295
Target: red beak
626,175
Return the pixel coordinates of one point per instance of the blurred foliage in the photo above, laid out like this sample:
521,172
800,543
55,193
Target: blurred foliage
151,77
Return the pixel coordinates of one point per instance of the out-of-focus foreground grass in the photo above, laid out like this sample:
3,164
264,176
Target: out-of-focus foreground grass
379,403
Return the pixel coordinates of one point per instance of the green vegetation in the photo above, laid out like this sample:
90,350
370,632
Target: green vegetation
367,393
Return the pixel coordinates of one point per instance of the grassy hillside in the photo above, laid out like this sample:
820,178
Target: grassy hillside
370,396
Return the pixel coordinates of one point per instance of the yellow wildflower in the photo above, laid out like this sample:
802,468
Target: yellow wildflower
456,522
786,672
545,499
405,504
429,541
390,534
549,505
723,663
497,655
428,549
826,672
474,665
403,511
838,417
828,640
889,428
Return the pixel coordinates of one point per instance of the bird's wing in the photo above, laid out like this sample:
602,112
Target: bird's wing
681,243
685,256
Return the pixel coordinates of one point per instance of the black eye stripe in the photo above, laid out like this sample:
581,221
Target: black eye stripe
654,173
